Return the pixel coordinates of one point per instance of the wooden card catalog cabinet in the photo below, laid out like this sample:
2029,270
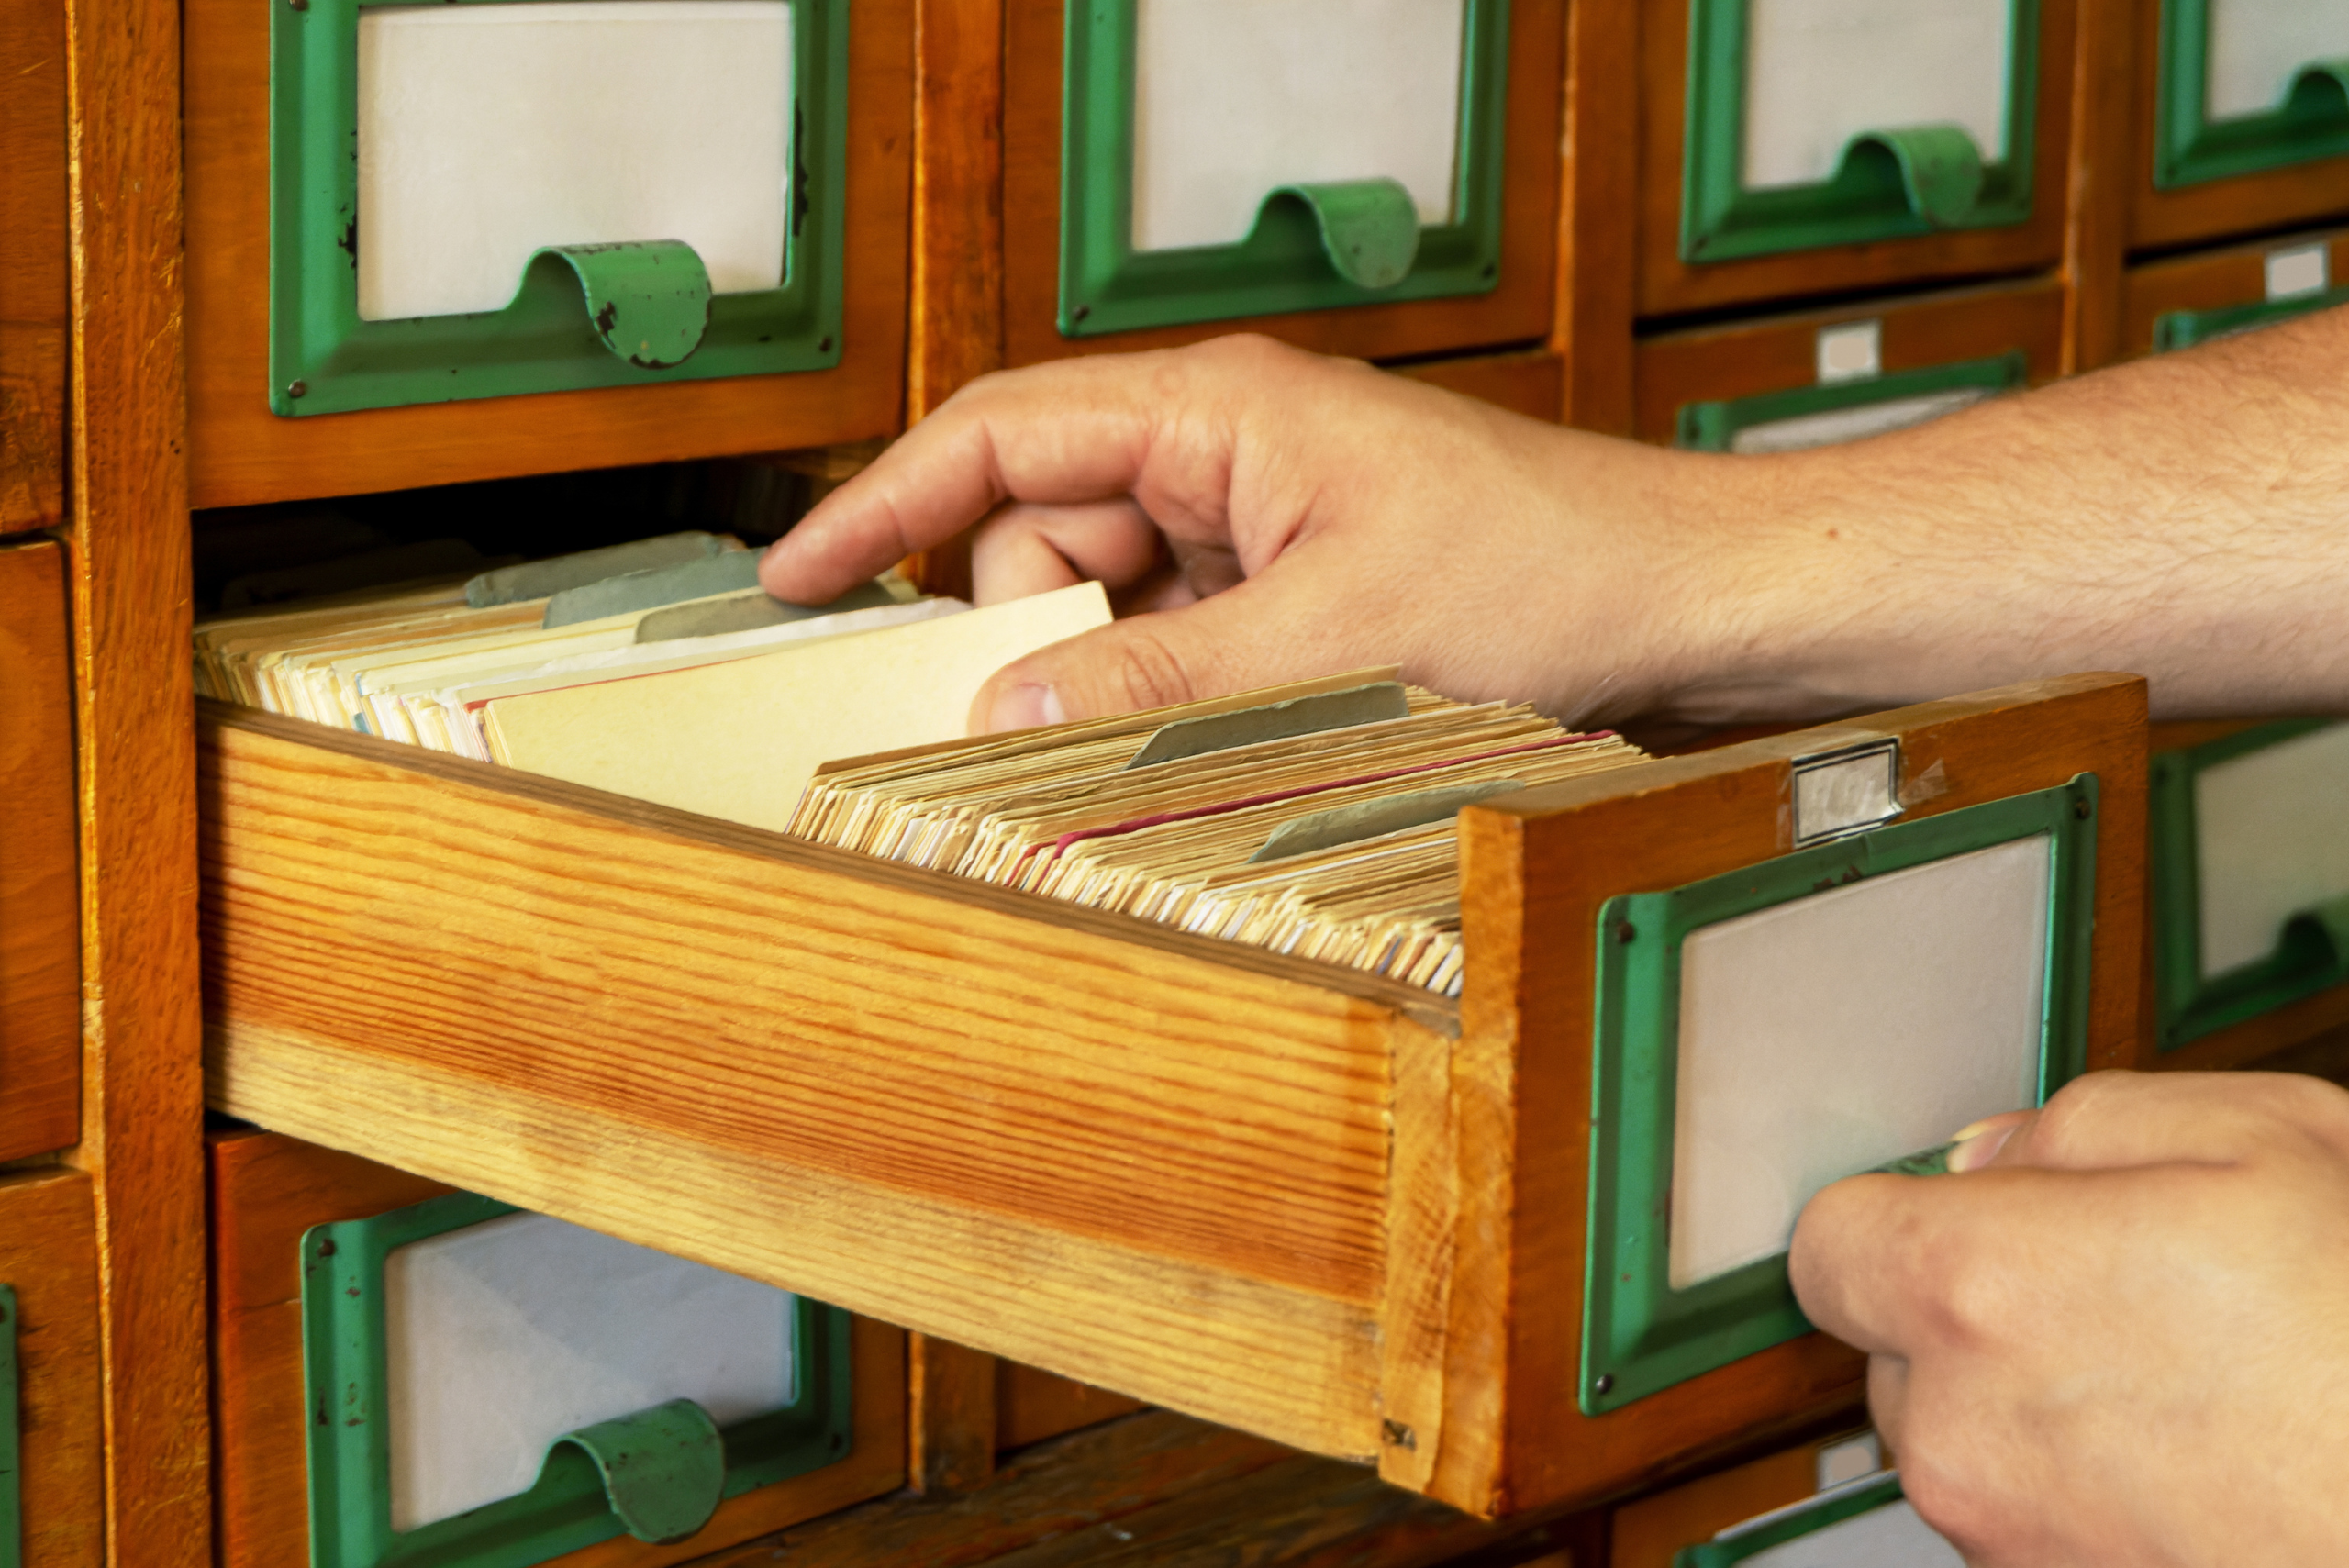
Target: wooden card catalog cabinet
41,909
2186,300
1785,383
33,247
2250,880
2243,118
1374,177
1793,147
453,1381
52,1502
1326,1207
614,209
1827,1504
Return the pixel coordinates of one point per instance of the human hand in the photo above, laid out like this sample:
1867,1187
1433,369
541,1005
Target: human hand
1289,516
2121,1334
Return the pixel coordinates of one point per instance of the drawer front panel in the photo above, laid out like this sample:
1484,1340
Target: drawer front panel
53,1494
2186,300
40,1008
33,249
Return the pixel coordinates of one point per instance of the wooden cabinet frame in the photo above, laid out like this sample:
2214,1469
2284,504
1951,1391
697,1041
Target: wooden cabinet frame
33,244
40,905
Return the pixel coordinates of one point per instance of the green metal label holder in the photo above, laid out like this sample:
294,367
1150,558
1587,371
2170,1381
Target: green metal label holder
1864,1495
12,1458
1314,247
2189,147
657,1474
1639,1335
1894,183
582,315
2310,955
1713,426
2184,329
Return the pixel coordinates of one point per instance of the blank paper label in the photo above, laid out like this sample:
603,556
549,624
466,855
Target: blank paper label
504,1336
1819,72
488,131
1235,98
2293,270
1827,1035
2258,46
1890,1537
2271,840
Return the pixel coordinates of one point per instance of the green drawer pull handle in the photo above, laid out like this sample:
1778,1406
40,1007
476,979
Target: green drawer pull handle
2320,92
1370,228
663,1469
649,299
2316,941
1935,170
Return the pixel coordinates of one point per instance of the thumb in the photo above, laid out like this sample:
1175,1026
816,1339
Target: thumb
1251,635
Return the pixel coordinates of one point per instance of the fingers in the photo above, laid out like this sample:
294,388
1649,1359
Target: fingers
1025,549
2110,1120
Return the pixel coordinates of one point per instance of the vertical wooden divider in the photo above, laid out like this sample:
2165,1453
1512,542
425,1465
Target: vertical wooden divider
1591,325
2103,174
952,1427
143,1082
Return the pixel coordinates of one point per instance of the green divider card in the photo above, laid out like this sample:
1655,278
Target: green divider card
1314,246
2309,119
1861,1521
1641,1333
579,315
656,1474
1891,182
12,1514
1716,427
2184,329
2311,951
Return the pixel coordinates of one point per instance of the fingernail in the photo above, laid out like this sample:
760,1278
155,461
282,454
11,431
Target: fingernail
1025,707
1976,1149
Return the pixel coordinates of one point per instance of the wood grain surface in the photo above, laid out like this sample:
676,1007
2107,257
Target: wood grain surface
2209,280
1153,1163
33,246
1668,285
956,333
1779,353
1032,1405
1534,873
2096,222
242,453
1597,243
49,1254
41,903
266,1190
1515,312
952,1418
127,548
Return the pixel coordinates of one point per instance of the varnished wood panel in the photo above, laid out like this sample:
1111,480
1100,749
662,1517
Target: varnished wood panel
956,334
1535,873
1033,1404
1518,310
1154,1162
32,264
2208,280
951,1426
266,1190
1598,242
2096,223
241,453
49,1254
1668,285
1530,383
40,908
1779,352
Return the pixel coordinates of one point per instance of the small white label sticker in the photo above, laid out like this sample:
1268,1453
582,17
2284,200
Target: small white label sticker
1853,352
1848,1460
2297,270
1846,792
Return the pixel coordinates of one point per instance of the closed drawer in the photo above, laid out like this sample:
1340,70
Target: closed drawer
40,961
1356,176
2250,887
1320,1206
1531,382
2242,119
1831,1500
1800,147
51,1483
439,243
1786,381
32,265
2185,300
460,1358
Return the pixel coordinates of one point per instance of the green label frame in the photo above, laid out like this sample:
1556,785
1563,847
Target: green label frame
1639,1335
12,1453
2189,147
1874,195
1108,286
2175,329
1713,426
1861,1494
343,1365
2189,1006
324,359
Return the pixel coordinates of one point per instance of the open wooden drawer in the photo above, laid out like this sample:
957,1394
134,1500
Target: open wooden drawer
1324,1207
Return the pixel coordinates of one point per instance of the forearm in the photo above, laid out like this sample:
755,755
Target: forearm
2185,517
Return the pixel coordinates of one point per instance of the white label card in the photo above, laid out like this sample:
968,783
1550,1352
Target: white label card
2293,270
2271,840
2258,46
1852,350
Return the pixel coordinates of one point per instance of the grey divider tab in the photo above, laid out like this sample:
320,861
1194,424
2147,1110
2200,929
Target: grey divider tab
735,572
542,578
1369,818
748,612
1274,721
663,1469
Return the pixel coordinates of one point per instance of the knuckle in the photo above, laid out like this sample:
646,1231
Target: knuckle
1148,672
